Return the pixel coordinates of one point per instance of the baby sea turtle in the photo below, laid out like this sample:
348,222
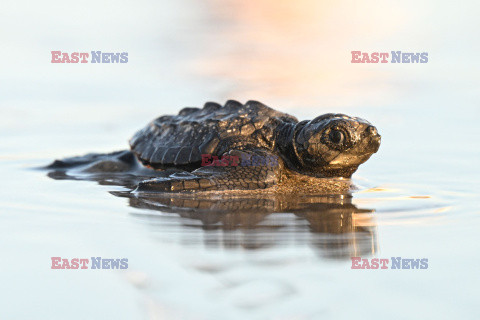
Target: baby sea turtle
248,147
331,145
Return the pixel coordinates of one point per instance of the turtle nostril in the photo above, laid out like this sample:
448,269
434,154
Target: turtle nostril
372,130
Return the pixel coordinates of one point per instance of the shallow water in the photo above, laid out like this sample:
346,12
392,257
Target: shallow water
416,198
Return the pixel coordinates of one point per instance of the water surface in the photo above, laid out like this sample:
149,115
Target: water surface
240,258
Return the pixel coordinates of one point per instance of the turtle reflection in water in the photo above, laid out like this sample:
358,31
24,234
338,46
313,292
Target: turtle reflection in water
332,224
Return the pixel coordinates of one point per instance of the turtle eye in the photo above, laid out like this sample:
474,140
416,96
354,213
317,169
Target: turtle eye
336,136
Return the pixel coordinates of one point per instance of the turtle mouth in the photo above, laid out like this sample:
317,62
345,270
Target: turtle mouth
372,141
345,160
374,144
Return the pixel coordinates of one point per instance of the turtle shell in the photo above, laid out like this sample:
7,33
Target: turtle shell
182,139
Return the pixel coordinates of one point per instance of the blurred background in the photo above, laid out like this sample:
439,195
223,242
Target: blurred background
417,198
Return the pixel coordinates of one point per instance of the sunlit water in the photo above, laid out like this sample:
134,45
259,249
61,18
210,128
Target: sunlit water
416,198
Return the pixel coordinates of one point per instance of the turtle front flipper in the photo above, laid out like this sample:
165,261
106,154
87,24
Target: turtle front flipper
253,170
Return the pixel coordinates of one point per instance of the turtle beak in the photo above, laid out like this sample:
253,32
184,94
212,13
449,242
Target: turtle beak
374,139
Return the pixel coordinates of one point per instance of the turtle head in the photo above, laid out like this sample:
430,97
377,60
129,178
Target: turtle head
334,145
